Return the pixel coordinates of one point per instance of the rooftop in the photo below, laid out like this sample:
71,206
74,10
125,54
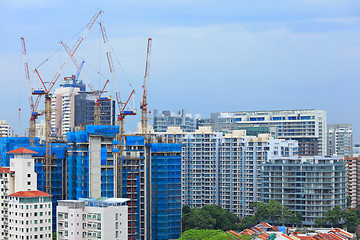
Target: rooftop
22,150
30,194
5,170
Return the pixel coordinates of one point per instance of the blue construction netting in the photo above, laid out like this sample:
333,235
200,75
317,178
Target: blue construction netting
104,130
11,143
166,191
165,147
134,140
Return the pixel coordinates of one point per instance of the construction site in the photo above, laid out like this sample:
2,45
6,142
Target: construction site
83,151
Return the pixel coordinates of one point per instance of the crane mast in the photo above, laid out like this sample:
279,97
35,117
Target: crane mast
143,105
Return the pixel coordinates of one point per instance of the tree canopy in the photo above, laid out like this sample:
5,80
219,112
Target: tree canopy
202,234
209,217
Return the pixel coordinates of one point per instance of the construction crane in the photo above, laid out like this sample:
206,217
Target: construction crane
143,104
33,106
46,92
121,117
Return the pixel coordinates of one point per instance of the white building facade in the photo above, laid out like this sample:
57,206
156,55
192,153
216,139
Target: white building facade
307,126
340,140
30,215
4,129
223,169
92,219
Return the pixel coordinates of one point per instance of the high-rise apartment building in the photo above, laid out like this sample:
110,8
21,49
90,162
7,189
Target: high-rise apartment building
105,218
311,185
4,129
223,168
168,119
308,127
20,200
352,165
340,140
74,106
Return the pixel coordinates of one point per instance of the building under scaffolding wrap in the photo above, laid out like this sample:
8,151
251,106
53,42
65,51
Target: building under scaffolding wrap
58,168
163,166
91,162
154,208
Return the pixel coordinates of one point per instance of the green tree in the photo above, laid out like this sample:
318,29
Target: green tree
209,217
351,220
273,208
333,216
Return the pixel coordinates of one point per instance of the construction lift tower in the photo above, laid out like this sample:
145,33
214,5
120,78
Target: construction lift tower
46,92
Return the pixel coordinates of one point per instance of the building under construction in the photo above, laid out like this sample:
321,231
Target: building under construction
150,178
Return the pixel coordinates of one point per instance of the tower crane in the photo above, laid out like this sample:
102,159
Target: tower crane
121,117
99,99
143,104
47,94
33,106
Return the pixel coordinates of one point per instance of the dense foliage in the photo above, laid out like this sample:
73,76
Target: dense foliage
203,234
209,217
273,213
335,217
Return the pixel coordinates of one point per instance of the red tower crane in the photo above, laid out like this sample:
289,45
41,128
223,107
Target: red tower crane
33,106
144,103
121,117
47,94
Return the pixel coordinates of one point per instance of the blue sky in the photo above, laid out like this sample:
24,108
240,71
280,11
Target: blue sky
207,56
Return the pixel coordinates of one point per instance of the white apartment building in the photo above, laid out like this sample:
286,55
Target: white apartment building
30,215
19,184
62,119
340,140
40,130
307,126
223,169
4,129
105,218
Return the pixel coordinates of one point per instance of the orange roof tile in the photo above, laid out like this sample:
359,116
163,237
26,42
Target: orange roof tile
286,236
22,150
5,170
30,194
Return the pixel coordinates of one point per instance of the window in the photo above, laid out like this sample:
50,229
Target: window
29,175
29,164
28,183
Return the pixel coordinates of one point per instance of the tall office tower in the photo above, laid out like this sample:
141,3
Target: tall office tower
167,119
88,218
19,183
74,106
4,129
222,169
311,185
308,127
340,140
352,165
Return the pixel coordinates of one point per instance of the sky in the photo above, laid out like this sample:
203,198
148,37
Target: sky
207,56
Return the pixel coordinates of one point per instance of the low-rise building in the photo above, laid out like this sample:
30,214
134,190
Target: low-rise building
105,218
